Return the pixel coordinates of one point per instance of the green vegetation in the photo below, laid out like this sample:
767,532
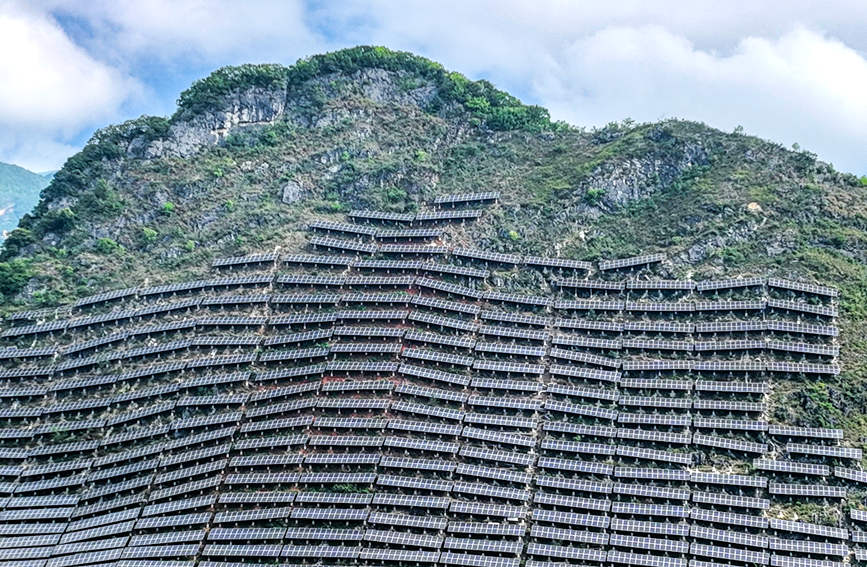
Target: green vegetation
19,192
14,275
167,208
486,104
149,234
594,196
107,246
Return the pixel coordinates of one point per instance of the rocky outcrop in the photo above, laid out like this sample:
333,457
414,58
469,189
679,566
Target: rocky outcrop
305,106
187,135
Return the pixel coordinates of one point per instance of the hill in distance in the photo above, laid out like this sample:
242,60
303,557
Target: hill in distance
19,193
256,152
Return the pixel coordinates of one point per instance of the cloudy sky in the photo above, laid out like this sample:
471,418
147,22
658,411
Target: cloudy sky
794,71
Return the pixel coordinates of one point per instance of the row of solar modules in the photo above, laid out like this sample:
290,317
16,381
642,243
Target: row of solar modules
459,309
75,351
417,267
492,367
349,539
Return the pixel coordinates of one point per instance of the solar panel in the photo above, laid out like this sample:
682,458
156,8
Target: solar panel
433,216
443,322
380,216
802,328
792,467
587,358
729,444
851,475
824,451
434,485
805,432
729,553
405,520
729,406
436,375
806,490
424,427
583,392
621,263
803,287
807,528
825,311
648,543
658,306
572,465
804,348
641,453
565,534
413,249
644,344
408,234
601,285
447,306
466,197
728,305
347,228
571,518
343,245
511,332
588,373
662,437
497,456
399,538
497,437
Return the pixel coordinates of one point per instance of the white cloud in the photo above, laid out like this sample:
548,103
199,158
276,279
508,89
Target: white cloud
51,88
217,31
784,69
802,87
789,71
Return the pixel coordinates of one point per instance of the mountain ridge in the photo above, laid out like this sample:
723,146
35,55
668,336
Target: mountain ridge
19,192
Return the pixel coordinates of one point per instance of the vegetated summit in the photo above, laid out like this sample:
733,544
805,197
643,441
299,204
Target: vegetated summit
413,356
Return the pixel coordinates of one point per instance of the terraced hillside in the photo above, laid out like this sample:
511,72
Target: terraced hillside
379,399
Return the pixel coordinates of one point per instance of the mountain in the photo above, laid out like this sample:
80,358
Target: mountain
255,152
362,310
19,192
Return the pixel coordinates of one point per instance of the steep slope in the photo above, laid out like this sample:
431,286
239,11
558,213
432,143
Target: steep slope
19,192
254,153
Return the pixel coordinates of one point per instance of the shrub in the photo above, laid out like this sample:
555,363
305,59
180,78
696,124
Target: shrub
59,220
102,201
229,205
168,208
107,246
514,236
395,194
149,234
594,196
14,276
189,245
330,206
16,241
863,180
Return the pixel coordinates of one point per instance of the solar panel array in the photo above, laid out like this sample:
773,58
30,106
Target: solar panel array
345,411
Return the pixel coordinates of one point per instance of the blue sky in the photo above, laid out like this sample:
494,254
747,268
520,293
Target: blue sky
792,71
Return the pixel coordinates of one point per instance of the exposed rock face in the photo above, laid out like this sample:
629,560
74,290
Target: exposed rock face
260,106
255,106
292,192
633,179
